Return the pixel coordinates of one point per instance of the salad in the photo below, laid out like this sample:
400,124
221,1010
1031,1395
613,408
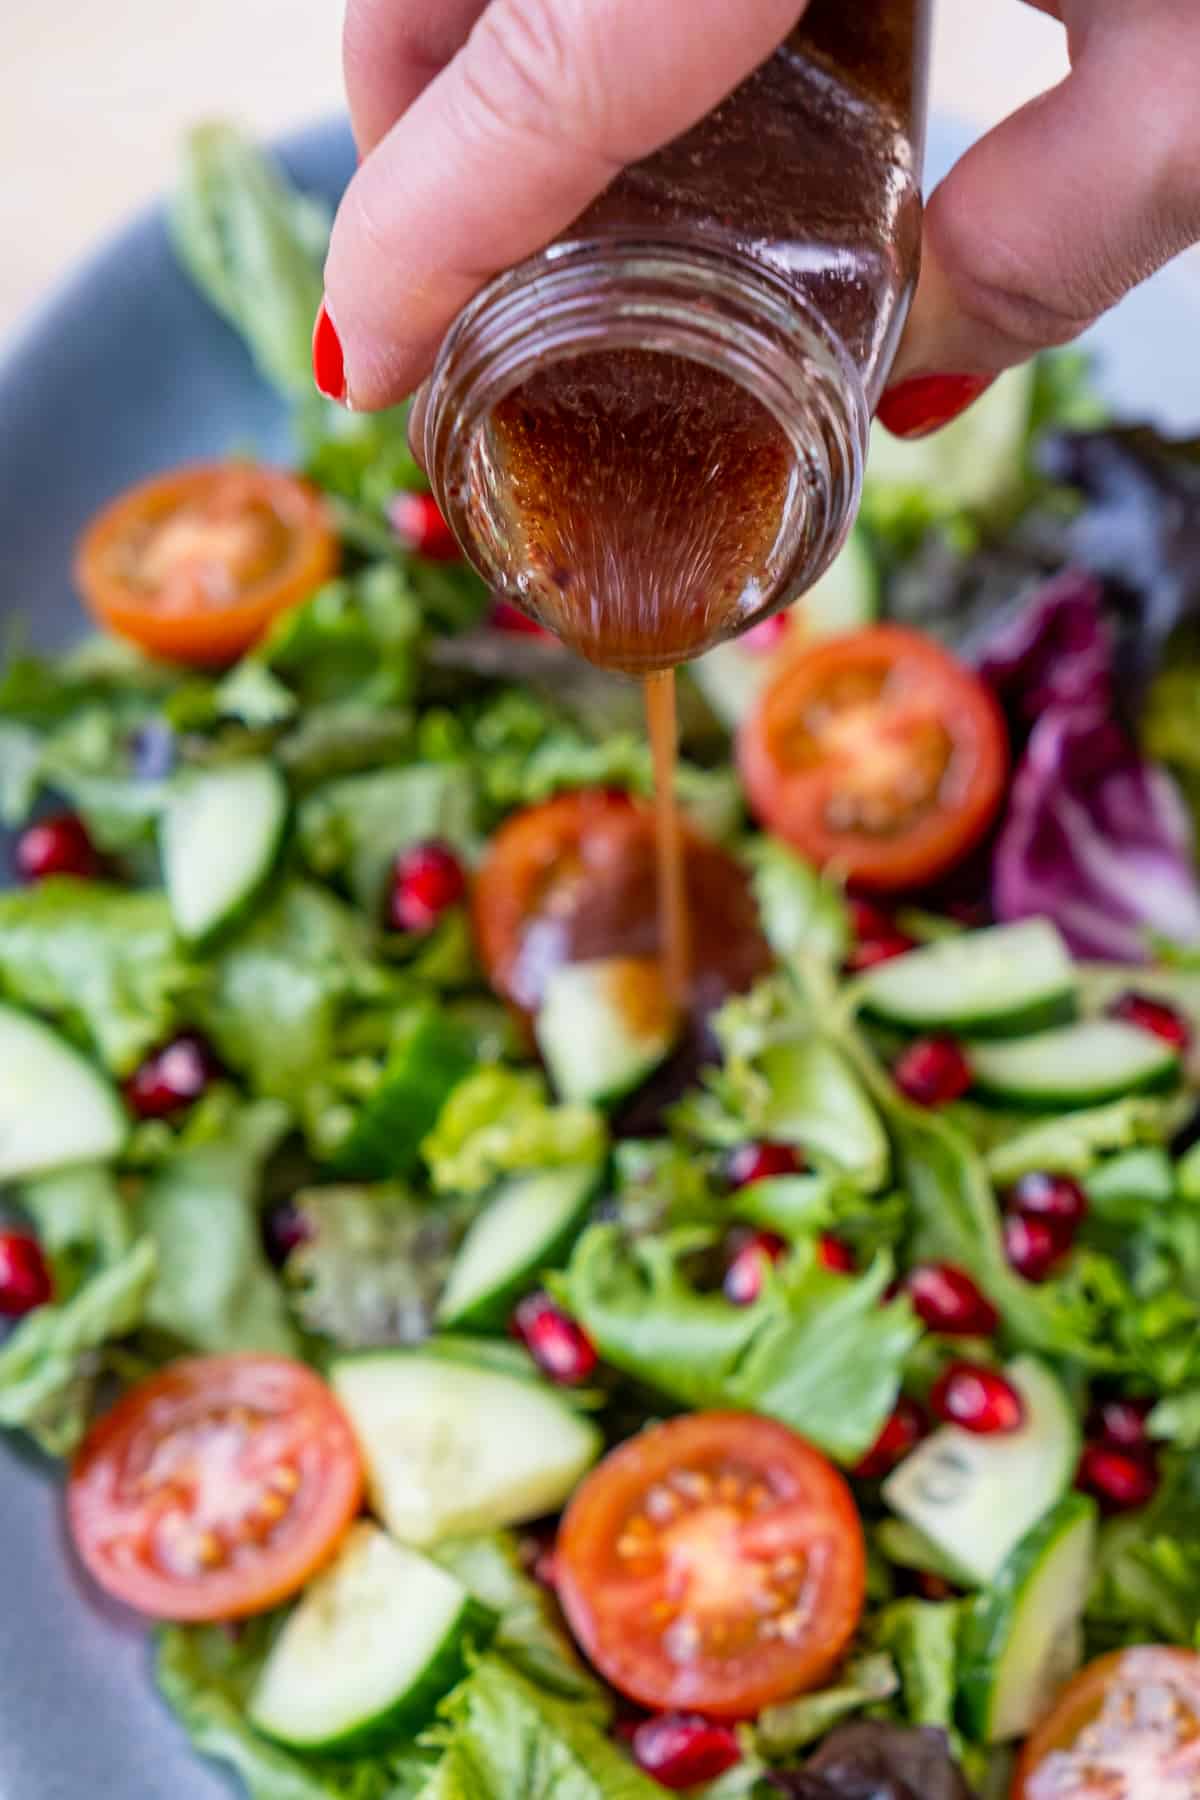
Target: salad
491,1382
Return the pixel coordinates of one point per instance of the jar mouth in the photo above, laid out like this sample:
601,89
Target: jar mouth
706,304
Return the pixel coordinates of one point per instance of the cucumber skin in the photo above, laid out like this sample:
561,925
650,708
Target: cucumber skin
473,1630
989,1618
1041,1015
430,1062
1156,1081
493,1310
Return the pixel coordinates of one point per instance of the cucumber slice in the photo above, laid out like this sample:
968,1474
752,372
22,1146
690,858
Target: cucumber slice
55,1106
527,1227
1005,981
973,1497
219,838
452,1447
605,1026
431,1057
1023,1637
375,1642
1077,1065
1132,1183
847,596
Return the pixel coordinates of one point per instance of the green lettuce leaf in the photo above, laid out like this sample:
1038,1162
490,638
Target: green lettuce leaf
817,1350
792,1725
1147,1582
922,1637
803,914
351,830
504,1737
254,246
500,1121
215,1290
1073,1143
205,1675
372,1266
82,1220
102,961
50,1364
530,1634
354,645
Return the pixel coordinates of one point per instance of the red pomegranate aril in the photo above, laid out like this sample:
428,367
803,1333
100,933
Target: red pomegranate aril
834,1254
418,523
560,1347
25,1280
172,1077
58,845
947,1300
1034,1247
870,952
504,616
427,880
933,1587
680,1750
767,635
1055,1198
869,920
761,1162
901,1434
744,1275
1121,1480
284,1228
1155,1016
1121,1422
977,1399
933,1071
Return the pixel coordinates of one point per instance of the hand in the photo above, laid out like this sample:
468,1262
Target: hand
486,126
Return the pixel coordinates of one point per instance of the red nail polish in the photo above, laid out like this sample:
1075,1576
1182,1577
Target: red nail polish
926,403
329,369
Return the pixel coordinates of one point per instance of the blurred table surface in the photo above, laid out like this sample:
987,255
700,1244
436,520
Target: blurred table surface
95,93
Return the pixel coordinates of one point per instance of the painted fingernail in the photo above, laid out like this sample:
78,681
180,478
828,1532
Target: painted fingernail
927,402
329,367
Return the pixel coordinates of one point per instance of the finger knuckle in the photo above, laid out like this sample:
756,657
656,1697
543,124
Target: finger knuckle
528,70
1031,293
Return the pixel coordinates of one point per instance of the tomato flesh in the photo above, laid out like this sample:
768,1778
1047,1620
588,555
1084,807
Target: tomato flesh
575,879
878,755
713,1564
1126,1728
214,1489
194,565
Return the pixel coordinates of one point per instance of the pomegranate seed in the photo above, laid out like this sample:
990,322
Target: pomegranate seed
545,1567
836,1255
768,634
744,1275
977,1399
426,880
284,1229
24,1276
58,845
173,1076
870,952
1121,1422
760,1162
933,1587
560,1347
1055,1198
680,1750
1154,1016
504,616
1033,1246
418,523
901,1434
933,1071
947,1300
1121,1480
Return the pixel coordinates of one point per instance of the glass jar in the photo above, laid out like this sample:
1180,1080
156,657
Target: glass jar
653,433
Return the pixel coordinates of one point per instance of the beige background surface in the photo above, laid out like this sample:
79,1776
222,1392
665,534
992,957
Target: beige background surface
94,95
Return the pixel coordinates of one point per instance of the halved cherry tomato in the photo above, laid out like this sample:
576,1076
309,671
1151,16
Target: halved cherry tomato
713,1564
576,879
1126,1728
194,565
878,755
214,1489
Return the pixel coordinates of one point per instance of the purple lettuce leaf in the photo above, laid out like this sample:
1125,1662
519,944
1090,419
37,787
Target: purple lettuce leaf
1057,651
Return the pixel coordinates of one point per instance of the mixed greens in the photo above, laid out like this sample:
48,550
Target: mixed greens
938,1164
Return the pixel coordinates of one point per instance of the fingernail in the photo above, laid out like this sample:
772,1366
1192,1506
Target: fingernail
329,367
927,402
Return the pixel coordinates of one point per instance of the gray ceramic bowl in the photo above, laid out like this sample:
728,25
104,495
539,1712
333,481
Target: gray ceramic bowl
123,372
